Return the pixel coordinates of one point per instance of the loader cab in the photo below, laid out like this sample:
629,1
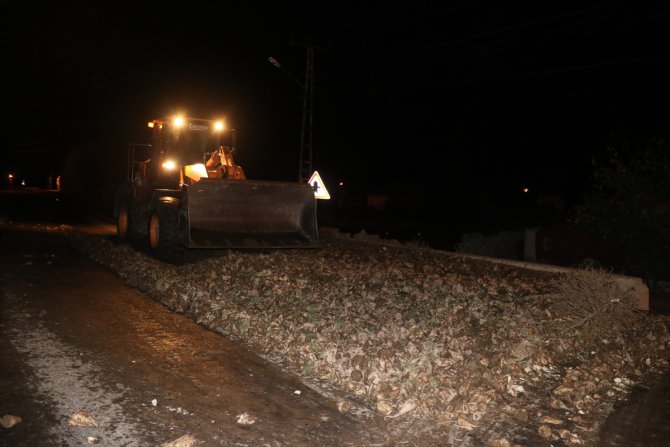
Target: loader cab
181,142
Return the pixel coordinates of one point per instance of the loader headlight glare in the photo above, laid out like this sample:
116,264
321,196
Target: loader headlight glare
169,165
178,121
219,126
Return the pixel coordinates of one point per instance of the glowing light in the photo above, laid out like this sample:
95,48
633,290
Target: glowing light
169,165
178,121
341,183
219,125
10,176
150,124
525,190
196,171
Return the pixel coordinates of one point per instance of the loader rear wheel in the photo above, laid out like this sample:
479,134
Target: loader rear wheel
122,224
163,234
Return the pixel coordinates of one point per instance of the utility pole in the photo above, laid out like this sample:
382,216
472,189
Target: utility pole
306,152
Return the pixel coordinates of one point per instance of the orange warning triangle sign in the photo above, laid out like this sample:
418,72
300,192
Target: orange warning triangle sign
320,191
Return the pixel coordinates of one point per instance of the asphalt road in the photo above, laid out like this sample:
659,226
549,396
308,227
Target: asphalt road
641,421
76,339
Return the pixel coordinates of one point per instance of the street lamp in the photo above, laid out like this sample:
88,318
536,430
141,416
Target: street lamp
276,63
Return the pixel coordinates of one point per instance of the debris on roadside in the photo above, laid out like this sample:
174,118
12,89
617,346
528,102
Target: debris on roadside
8,421
246,419
182,441
343,406
179,410
82,419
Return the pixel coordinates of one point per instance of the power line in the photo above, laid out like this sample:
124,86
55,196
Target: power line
555,37
554,70
415,53
643,13
404,20
515,27
496,31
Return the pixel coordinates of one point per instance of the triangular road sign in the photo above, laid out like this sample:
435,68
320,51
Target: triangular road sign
320,191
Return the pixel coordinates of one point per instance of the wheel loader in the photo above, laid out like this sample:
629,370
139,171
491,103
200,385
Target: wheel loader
184,190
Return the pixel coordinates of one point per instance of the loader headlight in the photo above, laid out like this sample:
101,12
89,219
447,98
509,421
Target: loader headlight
178,121
219,126
169,165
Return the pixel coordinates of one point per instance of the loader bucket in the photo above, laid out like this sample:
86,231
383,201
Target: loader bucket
250,214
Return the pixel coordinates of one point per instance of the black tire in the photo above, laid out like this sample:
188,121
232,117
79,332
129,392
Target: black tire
123,223
129,228
164,234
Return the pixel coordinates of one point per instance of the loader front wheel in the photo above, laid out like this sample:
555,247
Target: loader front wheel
163,234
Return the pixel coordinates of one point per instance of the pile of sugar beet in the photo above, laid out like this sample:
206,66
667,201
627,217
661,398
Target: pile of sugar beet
444,346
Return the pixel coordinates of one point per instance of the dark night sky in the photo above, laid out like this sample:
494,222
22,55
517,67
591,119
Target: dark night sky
441,100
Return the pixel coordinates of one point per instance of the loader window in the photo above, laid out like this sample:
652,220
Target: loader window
189,146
